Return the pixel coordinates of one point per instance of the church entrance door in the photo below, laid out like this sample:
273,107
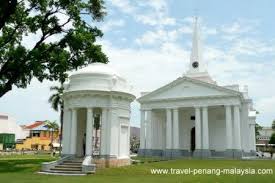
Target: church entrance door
193,140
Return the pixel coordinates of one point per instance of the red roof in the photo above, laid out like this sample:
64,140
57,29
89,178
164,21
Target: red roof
34,125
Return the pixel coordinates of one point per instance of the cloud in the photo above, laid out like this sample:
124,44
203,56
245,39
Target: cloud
123,5
137,65
111,24
266,108
251,46
153,20
209,31
239,28
157,37
30,104
152,13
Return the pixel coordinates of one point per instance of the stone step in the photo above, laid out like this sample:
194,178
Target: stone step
72,161
64,172
68,166
66,169
71,164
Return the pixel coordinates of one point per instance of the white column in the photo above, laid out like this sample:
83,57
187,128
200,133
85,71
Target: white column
205,137
148,129
142,129
198,127
73,132
66,134
253,138
107,117
89,132
168,129
103,132
228,121
175,129
153,130
237,130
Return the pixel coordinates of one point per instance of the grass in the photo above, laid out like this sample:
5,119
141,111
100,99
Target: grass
26,156
23,170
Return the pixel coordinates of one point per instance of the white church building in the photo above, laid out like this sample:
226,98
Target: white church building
194,116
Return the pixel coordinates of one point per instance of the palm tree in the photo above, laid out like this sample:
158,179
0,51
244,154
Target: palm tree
52,126
58,105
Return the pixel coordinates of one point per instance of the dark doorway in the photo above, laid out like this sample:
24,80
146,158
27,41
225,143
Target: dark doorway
193,139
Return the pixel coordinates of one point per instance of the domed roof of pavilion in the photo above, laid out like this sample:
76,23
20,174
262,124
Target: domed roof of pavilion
96,68
97,77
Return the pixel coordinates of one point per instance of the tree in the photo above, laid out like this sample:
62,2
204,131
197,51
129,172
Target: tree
272,139
57,104
65,39
273,125
257,129
53,127
134,144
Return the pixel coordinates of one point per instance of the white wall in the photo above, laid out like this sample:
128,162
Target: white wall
9,126
217,128
122,140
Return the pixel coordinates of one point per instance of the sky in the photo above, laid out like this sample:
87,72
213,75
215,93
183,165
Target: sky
149,43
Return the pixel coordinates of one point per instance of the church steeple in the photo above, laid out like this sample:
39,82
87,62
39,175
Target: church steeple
196,63
197,68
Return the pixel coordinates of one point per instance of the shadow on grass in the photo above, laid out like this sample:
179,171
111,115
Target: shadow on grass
25,165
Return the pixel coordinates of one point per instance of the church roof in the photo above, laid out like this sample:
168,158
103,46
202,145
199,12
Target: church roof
183,79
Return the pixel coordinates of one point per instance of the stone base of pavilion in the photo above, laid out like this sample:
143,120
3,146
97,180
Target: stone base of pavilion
109,162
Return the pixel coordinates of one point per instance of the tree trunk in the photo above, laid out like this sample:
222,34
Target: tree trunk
52,140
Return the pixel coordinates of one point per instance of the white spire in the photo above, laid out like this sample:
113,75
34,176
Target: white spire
196,64
197,68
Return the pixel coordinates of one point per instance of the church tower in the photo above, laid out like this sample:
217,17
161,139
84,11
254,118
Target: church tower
197,67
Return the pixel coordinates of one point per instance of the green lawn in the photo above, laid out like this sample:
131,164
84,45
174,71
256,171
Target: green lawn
22,169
